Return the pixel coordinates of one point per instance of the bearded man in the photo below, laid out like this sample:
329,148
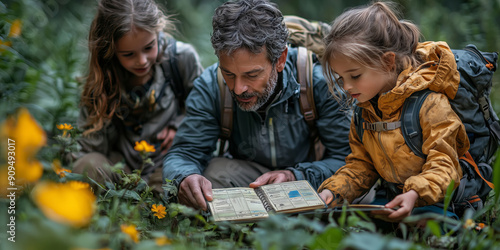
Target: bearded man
270,141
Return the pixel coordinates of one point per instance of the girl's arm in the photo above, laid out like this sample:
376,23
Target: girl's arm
353,179
445,140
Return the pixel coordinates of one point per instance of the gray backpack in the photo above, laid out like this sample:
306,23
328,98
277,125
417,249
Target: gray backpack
472,104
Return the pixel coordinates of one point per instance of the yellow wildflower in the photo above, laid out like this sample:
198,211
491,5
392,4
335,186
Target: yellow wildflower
4,44
159,211
56,165
65,128
144,147
131,231
78,185
70,203
161,241
469,224
23,138
15,28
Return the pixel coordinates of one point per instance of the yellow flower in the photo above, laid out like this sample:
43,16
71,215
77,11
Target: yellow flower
131,231
159,211
22,138
15,28
70,203
65,128
4,44
56,165
163,241
469,224
144,147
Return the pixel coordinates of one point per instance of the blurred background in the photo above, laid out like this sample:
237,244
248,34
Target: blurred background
41,65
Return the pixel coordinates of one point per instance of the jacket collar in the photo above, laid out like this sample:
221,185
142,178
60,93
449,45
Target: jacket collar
438,73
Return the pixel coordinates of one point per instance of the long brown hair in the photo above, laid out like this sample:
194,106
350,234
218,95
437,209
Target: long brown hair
364,34
114,18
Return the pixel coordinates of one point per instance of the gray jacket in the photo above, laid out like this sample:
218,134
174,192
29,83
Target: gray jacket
140,121
281,141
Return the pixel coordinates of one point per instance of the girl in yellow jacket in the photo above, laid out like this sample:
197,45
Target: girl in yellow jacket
375,58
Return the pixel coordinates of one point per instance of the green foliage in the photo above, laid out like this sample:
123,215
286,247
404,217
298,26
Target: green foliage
40,70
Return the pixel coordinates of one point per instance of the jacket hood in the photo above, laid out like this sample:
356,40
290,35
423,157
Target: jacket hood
438,73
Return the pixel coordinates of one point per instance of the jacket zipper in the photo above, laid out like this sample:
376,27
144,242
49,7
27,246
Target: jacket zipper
272,142
391,164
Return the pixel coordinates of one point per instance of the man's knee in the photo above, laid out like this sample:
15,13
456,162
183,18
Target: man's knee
218,172
224,172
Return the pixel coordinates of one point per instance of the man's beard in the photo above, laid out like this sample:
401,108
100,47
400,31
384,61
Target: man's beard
262,98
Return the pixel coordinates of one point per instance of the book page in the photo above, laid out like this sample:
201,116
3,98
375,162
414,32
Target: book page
236,204
292,196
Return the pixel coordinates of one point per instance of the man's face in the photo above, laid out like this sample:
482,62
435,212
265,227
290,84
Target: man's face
251,78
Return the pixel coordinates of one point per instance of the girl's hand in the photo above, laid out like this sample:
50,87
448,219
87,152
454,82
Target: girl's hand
405,202
326,195
166,136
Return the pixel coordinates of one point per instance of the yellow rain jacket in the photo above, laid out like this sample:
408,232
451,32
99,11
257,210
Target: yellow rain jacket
386,155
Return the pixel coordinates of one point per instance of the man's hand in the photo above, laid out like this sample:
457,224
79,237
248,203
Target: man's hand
194,191
277,176
405,201
166,136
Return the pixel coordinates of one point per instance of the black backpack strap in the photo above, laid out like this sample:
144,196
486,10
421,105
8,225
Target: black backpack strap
176,79
358,121
410,121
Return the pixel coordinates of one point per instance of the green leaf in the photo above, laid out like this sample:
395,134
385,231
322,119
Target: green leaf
123,193
448,196
330,239
434,228
496,176
373,241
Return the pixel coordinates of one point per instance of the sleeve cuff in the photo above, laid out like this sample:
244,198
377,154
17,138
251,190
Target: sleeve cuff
299,175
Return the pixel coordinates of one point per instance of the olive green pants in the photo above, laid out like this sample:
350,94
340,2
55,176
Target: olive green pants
225,172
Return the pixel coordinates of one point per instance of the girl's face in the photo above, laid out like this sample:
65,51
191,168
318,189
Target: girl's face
137,51
360,82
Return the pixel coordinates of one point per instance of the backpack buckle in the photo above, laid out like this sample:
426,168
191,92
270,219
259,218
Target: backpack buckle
309,116
381,126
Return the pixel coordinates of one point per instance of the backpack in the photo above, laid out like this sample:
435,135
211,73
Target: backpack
472,105
174,79
307,37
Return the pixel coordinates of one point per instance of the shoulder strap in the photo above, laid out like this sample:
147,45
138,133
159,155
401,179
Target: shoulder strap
226,112
306,99
467,157
410,121
358,121
304,74
178,85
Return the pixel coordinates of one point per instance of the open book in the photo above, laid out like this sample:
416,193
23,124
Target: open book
248,204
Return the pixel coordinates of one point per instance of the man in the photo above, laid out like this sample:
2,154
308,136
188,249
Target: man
270,138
